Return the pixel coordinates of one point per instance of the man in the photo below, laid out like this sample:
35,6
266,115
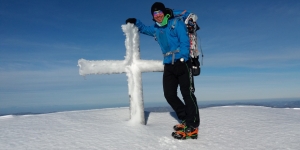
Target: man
172,36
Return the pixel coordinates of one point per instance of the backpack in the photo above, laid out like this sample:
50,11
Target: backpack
190,20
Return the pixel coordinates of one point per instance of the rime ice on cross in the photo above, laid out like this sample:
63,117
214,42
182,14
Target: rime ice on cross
133,66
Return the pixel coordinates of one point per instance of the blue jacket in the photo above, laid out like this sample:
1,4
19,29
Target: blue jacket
169,39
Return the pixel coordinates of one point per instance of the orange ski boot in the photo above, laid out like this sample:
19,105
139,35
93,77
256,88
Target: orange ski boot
186,133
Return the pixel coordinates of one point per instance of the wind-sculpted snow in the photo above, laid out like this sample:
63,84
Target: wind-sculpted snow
132,65
222,128
100,67
116,66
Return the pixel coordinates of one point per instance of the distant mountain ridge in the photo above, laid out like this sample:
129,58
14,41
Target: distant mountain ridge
272,104
295,103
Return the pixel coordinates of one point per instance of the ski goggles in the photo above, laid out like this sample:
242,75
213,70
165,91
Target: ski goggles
157,13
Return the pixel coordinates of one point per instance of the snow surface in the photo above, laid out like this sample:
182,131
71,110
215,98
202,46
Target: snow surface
228,128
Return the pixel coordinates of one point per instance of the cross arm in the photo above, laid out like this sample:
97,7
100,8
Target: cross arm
150,65
87,67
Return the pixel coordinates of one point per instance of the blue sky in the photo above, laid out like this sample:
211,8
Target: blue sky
251,50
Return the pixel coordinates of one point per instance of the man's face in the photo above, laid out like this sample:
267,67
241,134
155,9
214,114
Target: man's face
158,16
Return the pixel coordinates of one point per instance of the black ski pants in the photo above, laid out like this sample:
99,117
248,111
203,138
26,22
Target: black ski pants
180,74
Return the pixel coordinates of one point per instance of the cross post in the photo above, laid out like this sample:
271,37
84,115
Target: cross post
133,66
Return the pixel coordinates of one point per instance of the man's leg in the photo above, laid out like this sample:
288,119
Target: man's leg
170,84
185,79
187,91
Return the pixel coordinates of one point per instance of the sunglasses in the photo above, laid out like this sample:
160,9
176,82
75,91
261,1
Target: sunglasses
157,13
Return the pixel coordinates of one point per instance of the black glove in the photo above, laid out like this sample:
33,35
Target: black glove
131,20
196,70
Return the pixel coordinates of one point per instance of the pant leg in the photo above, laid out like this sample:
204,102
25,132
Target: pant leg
170,85
186,83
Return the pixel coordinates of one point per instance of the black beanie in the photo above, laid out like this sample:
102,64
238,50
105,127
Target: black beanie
158,6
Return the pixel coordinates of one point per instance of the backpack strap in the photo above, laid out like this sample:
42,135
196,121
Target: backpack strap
174,23
172,53
178,17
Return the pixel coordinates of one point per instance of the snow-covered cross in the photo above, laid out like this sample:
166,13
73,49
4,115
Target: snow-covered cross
133,66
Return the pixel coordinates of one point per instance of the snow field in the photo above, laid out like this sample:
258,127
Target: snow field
243,127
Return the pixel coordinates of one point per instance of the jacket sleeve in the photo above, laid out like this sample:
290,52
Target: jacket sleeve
184,41
148,30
